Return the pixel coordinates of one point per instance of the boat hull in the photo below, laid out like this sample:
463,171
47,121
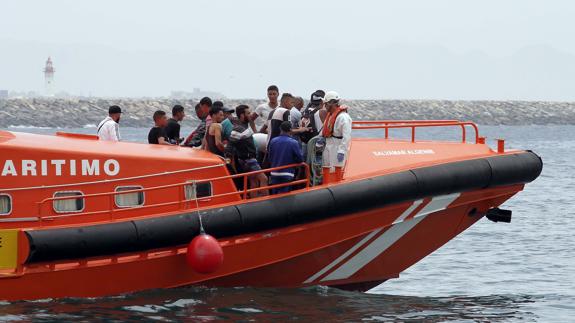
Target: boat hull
352,251
83,218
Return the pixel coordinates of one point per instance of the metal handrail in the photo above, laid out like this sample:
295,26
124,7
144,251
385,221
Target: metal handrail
243,194
396,124
403,121
110,180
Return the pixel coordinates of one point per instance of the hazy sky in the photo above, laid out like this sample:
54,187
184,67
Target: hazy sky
364,49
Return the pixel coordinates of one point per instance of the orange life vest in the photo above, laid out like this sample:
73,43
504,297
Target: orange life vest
329,122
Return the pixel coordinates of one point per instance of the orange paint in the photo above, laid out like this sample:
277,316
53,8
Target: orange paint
40,166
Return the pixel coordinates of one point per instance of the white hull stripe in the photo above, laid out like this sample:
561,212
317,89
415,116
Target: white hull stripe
363,241
343,256
408,211
388,238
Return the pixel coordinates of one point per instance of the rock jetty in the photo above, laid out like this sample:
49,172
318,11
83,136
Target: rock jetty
76,113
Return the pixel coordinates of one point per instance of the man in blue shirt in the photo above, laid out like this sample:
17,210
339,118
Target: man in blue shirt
283,150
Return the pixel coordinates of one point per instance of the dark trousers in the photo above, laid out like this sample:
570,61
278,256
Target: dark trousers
274,180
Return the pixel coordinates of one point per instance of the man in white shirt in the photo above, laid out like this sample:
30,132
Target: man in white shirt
262,111
109,128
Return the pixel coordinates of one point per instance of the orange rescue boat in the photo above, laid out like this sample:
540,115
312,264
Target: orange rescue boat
82,218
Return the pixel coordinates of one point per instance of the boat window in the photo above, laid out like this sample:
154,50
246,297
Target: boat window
68,205
5,204
197,190
129,199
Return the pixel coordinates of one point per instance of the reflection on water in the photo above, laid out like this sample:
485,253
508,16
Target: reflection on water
246,304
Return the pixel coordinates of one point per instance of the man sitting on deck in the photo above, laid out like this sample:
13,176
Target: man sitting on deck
283,150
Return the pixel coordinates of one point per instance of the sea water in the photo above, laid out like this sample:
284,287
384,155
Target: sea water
522,271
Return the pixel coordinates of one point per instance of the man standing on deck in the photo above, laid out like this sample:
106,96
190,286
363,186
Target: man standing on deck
109,128
173,127
278,115
283,150
313,117
336,132
295,112
242,148
157,134
196,138
260,116
295,118
227,125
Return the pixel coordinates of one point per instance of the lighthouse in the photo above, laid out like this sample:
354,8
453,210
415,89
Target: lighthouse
49,78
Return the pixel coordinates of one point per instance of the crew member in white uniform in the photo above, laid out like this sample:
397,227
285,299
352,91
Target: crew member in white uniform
336,131
109,128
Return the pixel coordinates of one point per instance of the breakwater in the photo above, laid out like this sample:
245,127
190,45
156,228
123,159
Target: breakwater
74,113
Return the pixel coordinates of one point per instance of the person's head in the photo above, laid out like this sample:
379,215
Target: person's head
115,113
273,93
218,104
217,114
205,105
316,98
160,118
243,113
201,114
178,112
331,100
286,101
285,127
228,112
298,102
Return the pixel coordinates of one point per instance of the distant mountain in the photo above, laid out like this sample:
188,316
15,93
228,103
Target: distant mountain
399,71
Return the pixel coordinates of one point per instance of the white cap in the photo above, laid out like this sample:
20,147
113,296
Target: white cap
331,96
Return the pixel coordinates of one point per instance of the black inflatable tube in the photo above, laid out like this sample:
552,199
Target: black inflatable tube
338,200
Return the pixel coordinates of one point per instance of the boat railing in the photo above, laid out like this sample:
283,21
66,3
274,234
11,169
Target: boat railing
117,180
182,201
415,124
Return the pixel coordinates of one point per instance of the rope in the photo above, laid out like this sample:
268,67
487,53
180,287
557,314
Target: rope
202,231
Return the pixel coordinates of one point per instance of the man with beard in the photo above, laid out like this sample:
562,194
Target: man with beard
195,139
109,128
241,147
